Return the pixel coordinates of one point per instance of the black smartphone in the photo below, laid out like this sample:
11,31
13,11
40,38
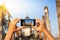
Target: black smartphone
28,22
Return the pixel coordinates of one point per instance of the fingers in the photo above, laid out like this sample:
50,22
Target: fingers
33,26
21,27
15,20
20,19
38,20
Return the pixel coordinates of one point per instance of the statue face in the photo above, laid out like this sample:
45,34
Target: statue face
45,10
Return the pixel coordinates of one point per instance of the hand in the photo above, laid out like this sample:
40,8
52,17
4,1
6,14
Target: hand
12,25
12,28
39,25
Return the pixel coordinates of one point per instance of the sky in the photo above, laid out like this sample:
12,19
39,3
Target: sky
34,9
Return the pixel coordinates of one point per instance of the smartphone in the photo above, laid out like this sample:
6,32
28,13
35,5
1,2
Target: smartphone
28,22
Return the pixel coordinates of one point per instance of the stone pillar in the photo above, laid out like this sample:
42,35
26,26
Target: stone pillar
47,34
44,36
47,18
58,13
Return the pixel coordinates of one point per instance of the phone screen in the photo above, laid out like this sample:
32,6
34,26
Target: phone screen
28,22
